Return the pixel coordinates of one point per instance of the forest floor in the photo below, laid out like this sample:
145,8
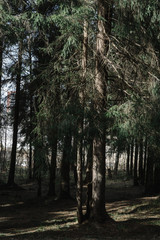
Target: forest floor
23,216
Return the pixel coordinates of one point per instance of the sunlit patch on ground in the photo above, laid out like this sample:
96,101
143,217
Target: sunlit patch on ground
33,219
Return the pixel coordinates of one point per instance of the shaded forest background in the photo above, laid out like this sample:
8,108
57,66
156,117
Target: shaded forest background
85,77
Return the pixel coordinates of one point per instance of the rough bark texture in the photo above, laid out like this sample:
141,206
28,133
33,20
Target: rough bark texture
16,119
98,177
1,53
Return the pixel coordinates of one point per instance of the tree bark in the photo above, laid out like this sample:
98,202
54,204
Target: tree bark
16,119
128,158
101,76
1,58
80,127
131,161
31,113
116,163
157,178
145,161
65,168
141,161
89,179
52,169
135,164
149,172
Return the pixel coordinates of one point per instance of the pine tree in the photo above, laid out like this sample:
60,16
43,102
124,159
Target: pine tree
101,75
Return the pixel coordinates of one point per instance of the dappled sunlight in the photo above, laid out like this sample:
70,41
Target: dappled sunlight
10,204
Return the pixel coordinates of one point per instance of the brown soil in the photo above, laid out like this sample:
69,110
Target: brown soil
23,216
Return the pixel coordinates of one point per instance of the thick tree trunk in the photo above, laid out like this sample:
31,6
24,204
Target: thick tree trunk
135,164
16,119
101,76
65,168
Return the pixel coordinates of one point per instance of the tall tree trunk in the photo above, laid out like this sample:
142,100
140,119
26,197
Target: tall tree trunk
80,144
52,169
16,119
101,76
135,164
131,163
31,113
65,168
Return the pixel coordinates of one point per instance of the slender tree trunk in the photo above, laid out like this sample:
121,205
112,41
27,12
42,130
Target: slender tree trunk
141,161
65,168
74,157
5,149
16,119
131,163
145,162
116,163
149,187
39,159
101,76
30,161
31,113
89,179
157,178
52,169
79,183
128,158
135,164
